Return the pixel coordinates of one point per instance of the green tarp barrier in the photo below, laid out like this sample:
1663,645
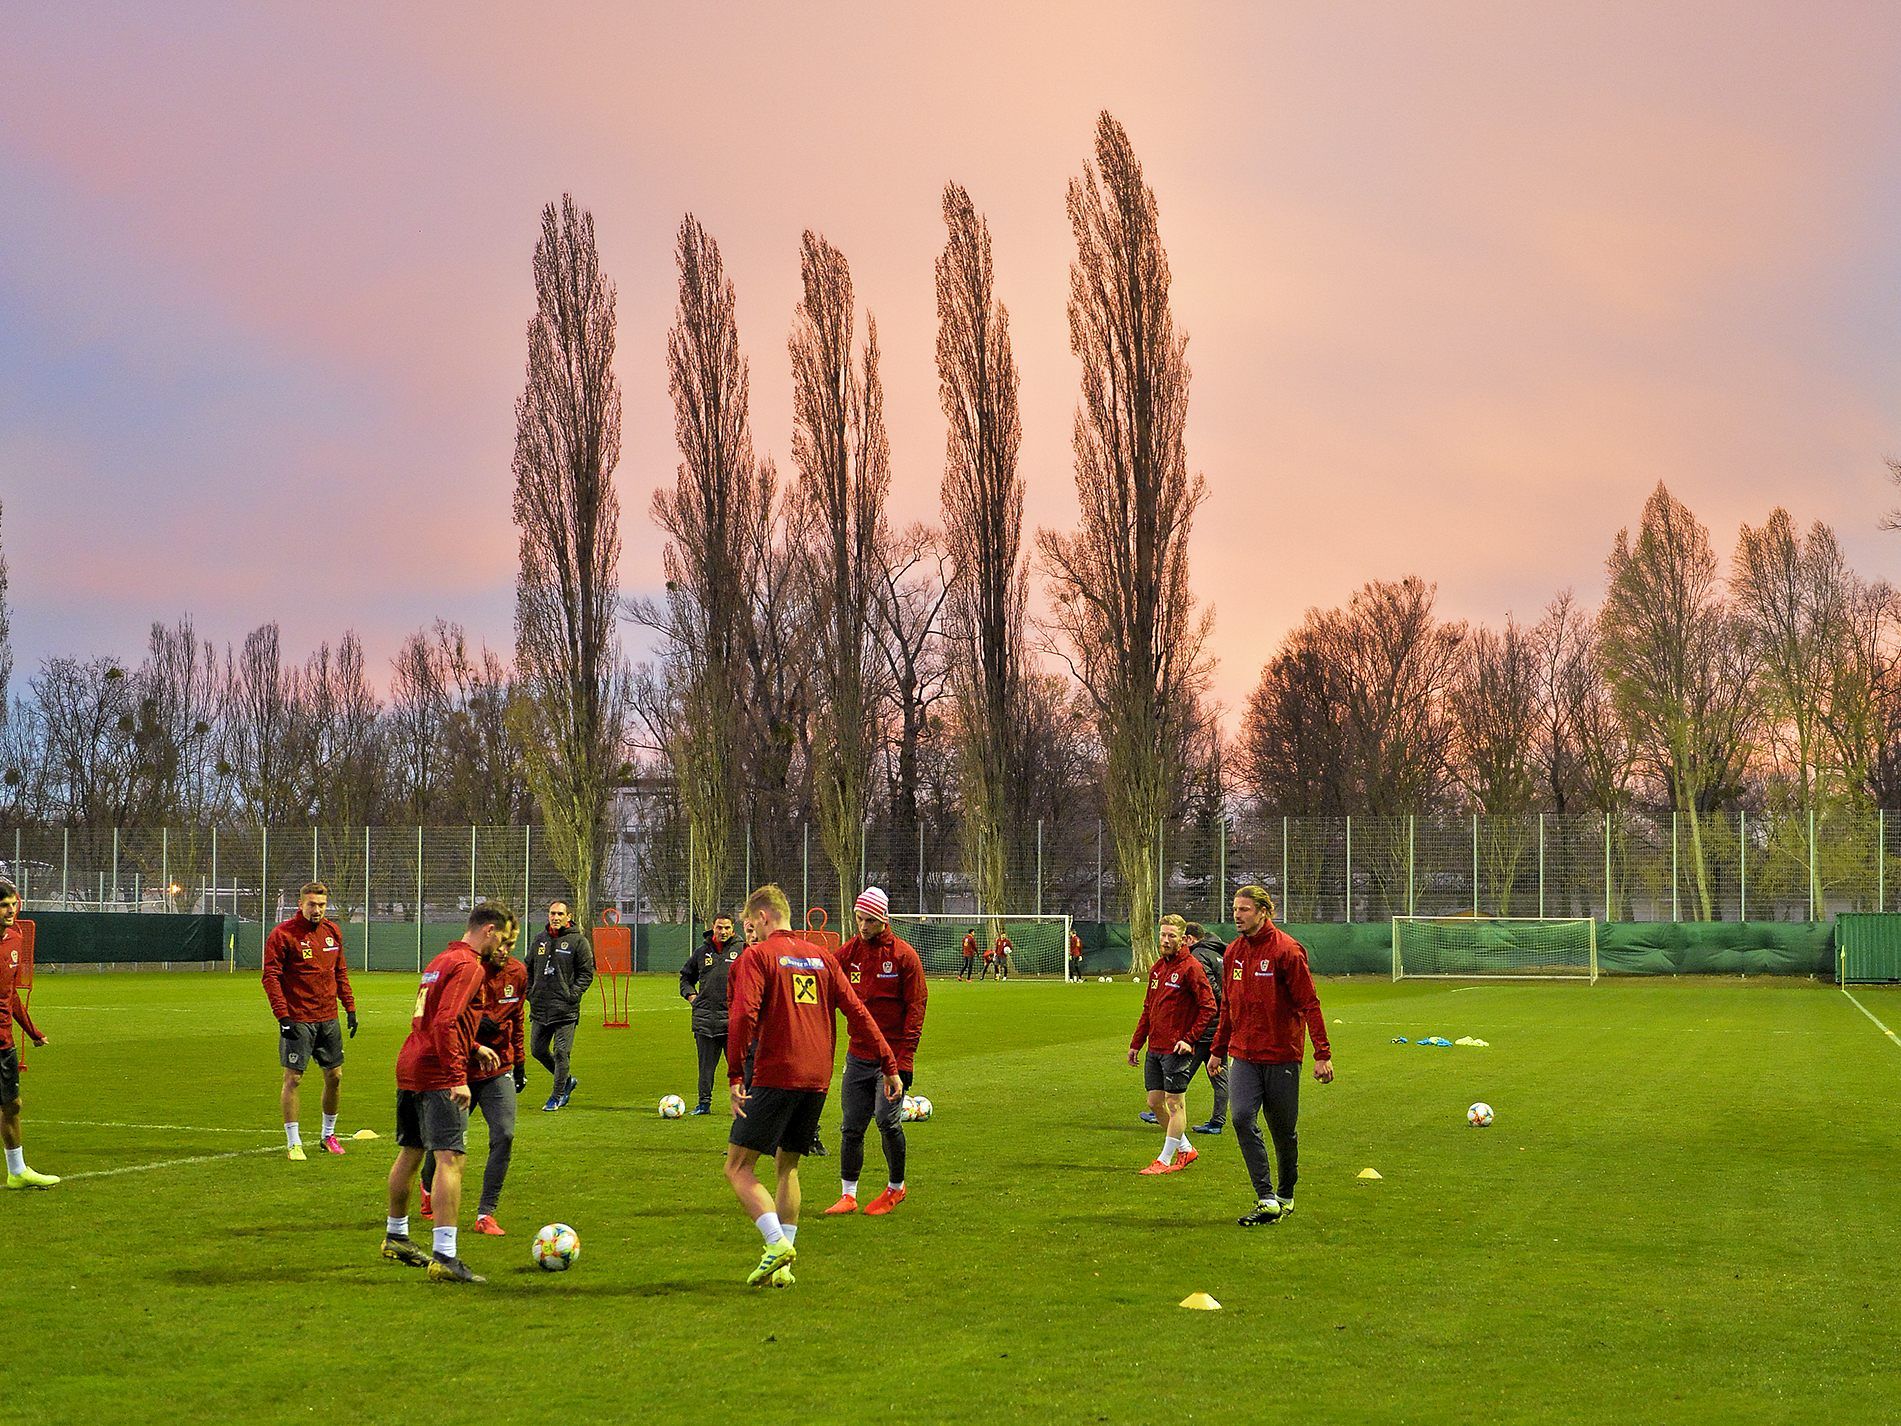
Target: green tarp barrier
97,937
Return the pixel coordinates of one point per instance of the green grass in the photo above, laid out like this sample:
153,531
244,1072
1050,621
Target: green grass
1685,1211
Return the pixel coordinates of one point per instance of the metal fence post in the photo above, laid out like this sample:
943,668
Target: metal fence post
527,860
1349,886
164,864
805,886
864,844
1412,839
689,876
1541,866
1676,909
1475,863
419,895
1099,869
1814,871
471,866
1742,864
1039,866
367,883
315,874
18,873
1287,894
1881,859
115,866
1607,865
920,866
1221,868
65,863
748,857
214,871
263,881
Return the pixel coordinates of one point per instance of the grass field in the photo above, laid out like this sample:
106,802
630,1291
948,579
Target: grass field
1687,1210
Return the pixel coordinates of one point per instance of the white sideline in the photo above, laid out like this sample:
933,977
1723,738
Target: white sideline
170,1163
1871,1015
175,1128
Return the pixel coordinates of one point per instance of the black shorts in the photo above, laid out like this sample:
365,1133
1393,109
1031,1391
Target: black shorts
429,1119
1168,1073
779,1119
318,1042
9,1074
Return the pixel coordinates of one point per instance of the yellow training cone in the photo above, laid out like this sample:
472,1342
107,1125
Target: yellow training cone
1201,1302
364,1134
1369,1173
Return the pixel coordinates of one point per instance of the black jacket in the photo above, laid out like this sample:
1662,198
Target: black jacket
704,978
1209,952
560,969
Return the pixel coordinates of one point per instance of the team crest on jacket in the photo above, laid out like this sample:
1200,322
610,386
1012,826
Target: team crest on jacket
731,956
329,943
887,967
1175,979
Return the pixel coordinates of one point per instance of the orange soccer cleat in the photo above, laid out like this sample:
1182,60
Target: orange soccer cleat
1183,1158
885,1202
486,1223
1157,1167
847,1203
428,1209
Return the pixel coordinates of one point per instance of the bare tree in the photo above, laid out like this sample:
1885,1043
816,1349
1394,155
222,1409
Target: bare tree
568,715
266,733
1863,713
844,461
1679,668
418,712
1295,751
706,516
1495,708
983,528
179,681
1124,616
345,736
911,598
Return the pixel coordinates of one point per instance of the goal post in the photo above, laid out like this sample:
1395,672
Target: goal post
1495,948
1039,945
1868,947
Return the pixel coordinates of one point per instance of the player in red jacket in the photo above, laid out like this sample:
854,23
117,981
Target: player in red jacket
1179,1005
783,996
889,978
12,1012
970,956
494,1092
432,1087
305,975
1269,1009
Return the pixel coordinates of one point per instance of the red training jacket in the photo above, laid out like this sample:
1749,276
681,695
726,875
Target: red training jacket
304,972
1270,993
889,978
442,1030
783,993
970,946
500,1001
12,1008
1179,1004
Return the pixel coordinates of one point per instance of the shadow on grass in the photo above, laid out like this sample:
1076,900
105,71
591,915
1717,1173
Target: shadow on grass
569,1287
678,1211
236,1275
366,1226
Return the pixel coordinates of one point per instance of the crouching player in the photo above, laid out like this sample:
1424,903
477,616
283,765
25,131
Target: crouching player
1177,1008
432,1088
783,996
494,1092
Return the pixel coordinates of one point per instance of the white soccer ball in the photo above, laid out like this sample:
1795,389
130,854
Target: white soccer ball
556,1248
910,1108
923,1107
672,1107
1479,1116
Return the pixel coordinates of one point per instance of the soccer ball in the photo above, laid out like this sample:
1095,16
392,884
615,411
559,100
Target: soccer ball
923,1107
910,1108
672,1107
1479,1116
556,1248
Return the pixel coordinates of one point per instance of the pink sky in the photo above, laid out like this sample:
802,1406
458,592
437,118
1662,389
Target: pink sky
1461,282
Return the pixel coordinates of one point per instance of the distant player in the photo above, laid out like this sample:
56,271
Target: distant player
432,1088
1002,949
13,1012
1209,951
970,955
889,978
494,1092
783,996
703,984
1075,956
1178,1007
560,969
1268,997
305,975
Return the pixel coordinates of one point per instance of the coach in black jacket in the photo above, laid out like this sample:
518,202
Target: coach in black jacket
1209,950
703,984
560,969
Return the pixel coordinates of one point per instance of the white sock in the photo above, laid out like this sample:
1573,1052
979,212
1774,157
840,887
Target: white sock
768,1226
397,1227
1169,1145
891,1187
329,1125
445,1242
16,1160
293,1136
791,1231
850,1187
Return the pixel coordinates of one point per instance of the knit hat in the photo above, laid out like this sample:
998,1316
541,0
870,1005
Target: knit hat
874,903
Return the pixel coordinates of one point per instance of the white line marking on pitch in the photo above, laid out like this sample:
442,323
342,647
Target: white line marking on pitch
1871,1015
175,1128
168,1164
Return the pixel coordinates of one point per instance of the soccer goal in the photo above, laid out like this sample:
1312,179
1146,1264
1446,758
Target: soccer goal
1868,947
1039,945
1495,948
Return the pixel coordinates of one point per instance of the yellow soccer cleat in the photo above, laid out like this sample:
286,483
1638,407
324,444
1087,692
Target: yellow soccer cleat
296,1154
783,1278
402,1250
777,1256
31,1178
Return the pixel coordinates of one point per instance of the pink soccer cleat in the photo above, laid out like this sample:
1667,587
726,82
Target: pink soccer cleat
331,1146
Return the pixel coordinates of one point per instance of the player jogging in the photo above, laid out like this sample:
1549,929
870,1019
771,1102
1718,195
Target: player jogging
560,969
889,978
783,996
970,955
305,975
494,1092
432,1088
1177,1008
1268,997
703,985
1209,951
12,1012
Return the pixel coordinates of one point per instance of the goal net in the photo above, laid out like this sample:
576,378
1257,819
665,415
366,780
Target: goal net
1494,948
1868,947
1039,945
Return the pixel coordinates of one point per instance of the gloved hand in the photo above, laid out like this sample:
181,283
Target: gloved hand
521,1078
350,1019
286,1029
